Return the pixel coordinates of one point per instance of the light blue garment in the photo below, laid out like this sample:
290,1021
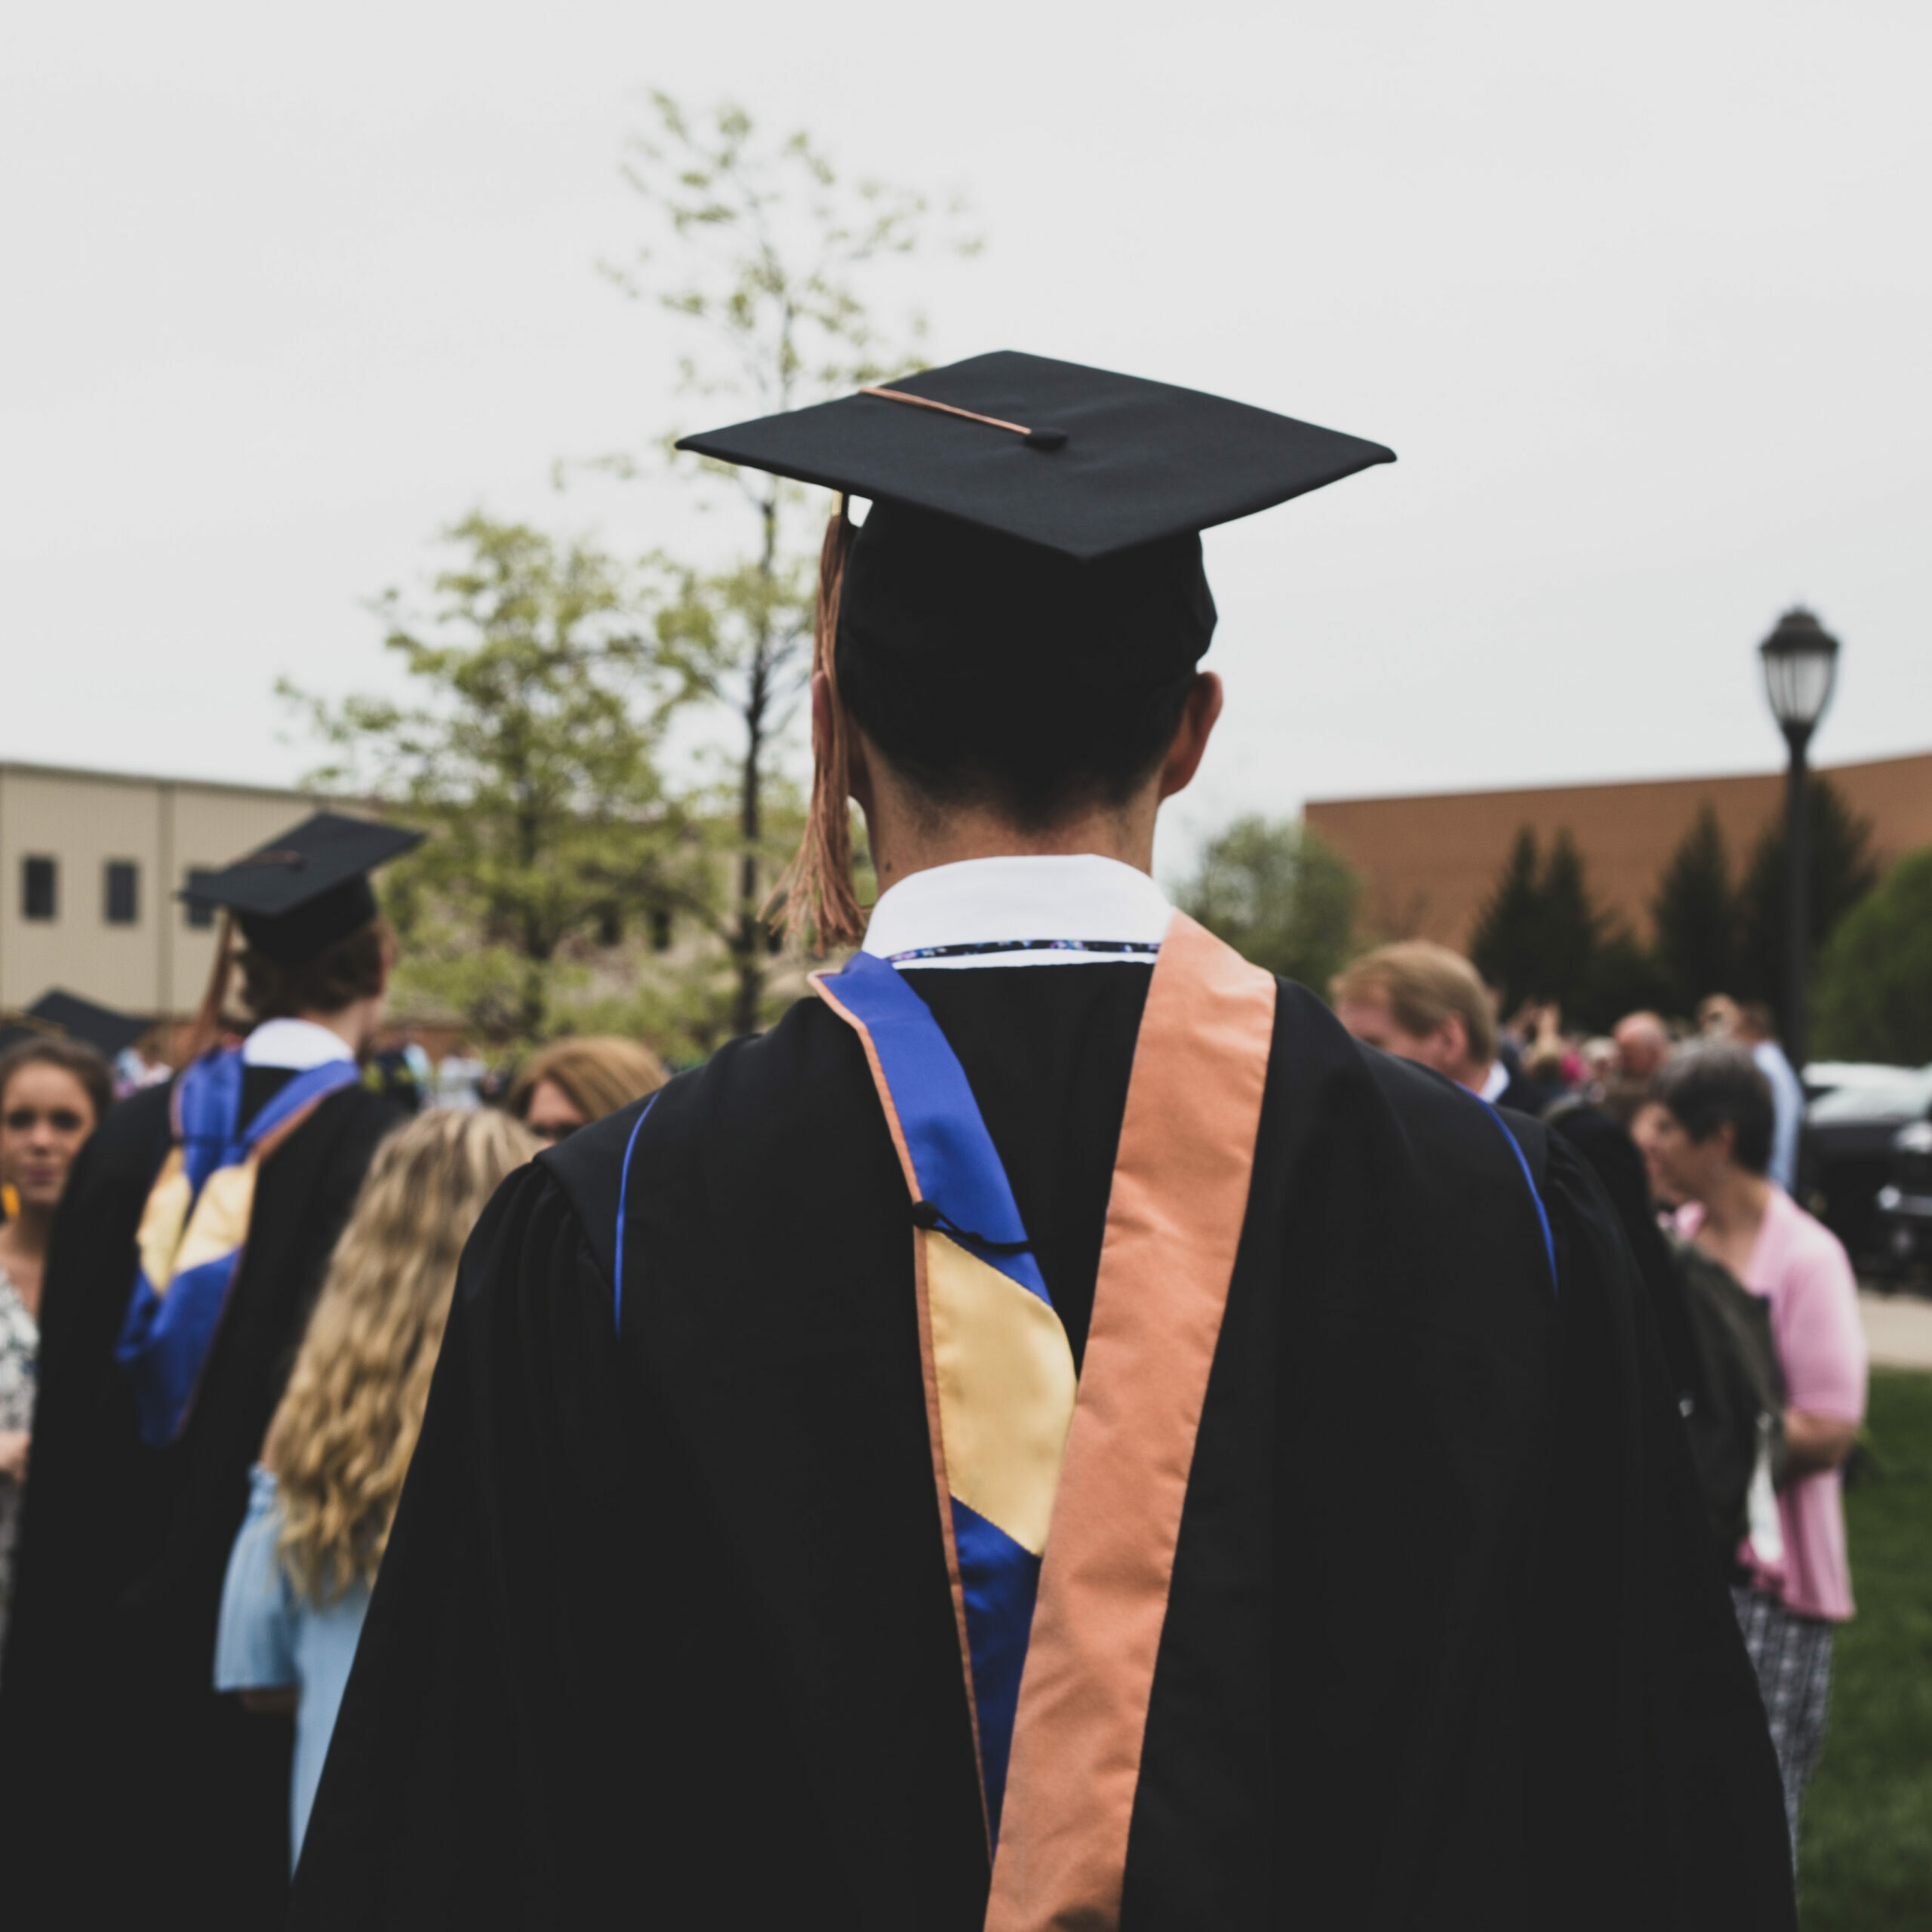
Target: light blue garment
1788,1111
269,1638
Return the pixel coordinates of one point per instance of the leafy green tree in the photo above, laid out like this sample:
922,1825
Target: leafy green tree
1538,934
1841,870
1572,929
1541,936
1507,943
769,251
1873,990
527,746
1695,913
1280,896
1624,975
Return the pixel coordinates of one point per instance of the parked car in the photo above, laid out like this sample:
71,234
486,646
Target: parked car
1905,1201
1832,1076
1848,1152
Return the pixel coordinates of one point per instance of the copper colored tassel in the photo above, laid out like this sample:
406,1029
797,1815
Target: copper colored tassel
207,1028
816,887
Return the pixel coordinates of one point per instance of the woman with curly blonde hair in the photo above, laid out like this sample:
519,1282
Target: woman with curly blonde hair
325,1493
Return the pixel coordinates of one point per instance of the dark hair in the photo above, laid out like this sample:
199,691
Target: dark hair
74,1056
1033,755
1713,1082
353,968
990,671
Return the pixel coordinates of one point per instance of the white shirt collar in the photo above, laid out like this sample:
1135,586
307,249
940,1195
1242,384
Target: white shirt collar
297,1044
1495,1082
1050,910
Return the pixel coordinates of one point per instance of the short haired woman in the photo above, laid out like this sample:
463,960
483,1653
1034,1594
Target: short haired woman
1711,1142
324,1496
571,1083
53,1093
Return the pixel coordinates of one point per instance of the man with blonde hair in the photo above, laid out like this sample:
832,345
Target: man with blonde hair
1421,1001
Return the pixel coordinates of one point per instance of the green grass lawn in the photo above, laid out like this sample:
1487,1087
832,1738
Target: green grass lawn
1867,1839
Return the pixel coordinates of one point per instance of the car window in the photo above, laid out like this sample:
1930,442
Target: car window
1907,1096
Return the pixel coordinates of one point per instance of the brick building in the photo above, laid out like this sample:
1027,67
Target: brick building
1428,863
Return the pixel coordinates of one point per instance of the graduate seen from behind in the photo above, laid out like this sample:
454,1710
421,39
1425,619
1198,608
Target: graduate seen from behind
326,1488
1055,1433
184,1262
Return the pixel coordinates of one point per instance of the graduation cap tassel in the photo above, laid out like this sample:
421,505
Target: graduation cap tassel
816,887
207,1028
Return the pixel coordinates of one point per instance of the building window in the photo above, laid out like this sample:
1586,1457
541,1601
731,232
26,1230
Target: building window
121,892
40,888
199,915
660,929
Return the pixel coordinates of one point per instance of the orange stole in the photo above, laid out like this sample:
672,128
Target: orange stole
1174,1218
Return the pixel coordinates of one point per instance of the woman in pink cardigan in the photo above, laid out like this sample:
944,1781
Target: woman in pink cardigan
1713,1146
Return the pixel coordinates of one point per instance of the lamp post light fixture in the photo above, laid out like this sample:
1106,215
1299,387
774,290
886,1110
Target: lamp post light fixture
1800,660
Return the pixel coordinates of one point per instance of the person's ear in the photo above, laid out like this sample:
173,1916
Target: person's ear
1198,718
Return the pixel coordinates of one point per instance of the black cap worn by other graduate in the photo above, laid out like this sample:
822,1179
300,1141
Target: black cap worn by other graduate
306,888
1026,512
111,1732
65,1016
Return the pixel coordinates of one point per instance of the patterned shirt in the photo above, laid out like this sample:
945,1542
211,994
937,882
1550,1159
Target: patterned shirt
19,1350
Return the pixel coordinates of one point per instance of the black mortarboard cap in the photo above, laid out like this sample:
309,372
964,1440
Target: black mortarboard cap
301,892
74,1018
1080,461
1026,513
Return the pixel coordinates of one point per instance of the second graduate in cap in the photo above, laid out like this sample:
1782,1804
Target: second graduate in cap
193,1237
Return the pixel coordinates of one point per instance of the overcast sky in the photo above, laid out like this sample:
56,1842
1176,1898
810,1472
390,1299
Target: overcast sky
1642,297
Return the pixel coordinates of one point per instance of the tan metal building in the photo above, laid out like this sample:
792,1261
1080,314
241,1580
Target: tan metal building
90,863
1428,863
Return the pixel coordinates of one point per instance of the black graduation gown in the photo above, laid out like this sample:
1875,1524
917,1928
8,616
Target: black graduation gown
129,1791
663,1635
1604,1141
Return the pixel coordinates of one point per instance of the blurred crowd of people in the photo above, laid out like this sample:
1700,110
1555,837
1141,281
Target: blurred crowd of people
1694,1133
242,1556
197,1485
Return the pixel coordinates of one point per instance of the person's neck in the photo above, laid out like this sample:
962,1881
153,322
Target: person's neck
904,843
1734,1203
352,1025
27,1236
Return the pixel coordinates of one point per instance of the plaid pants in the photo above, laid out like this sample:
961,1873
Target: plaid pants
1792,1656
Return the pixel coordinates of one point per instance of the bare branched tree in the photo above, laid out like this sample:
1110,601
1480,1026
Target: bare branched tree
764,255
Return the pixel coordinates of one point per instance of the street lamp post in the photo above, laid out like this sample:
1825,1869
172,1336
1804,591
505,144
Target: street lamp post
1801,660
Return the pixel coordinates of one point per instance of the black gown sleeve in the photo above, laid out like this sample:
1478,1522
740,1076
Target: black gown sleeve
464,1771
1605,1143
303,1202
82,1504
1630,1635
